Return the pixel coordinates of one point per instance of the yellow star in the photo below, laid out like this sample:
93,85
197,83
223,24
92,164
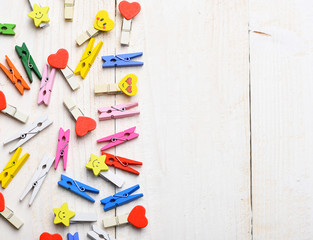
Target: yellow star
97,164
39,14
63,215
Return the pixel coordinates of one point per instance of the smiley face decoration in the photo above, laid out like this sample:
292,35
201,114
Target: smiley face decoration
103,22
39,15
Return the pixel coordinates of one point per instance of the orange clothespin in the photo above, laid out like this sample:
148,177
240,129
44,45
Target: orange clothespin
14,76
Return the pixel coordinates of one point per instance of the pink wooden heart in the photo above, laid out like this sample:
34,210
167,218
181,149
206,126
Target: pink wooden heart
129,10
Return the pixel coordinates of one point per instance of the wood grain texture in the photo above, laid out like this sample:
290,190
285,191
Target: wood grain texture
194,122
281,115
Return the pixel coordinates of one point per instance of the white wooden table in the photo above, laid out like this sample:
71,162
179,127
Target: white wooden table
226,123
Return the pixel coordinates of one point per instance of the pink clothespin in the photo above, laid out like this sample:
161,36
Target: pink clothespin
118,138
46,85
117,111
62,150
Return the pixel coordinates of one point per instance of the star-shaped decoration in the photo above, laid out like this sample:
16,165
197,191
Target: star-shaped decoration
39,14
97,164
63,215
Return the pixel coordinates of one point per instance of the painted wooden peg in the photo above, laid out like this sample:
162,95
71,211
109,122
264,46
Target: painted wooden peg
39,14
69,9
118,111
129,11
102,23
83,124
137,217
8,214
62,149
11,110
128,86
7,29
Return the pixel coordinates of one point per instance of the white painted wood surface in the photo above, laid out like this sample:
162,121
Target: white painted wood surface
194,124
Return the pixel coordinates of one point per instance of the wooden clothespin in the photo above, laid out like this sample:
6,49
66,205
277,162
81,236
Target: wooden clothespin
118,111
98,234
39,14
121,60
48,236
69,9
62,149
27,61
15,77
89,56
11,110
128,86
129,11
99,168
66,216
121,198
8,214
12,167
38,178
103,23
136,217
83,124
73,237
7,29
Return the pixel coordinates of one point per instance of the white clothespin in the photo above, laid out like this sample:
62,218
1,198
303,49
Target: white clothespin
72,107
15,113
126,29
69,9
38,178
69,76
115,221
9,215
84,217
29,131
99,234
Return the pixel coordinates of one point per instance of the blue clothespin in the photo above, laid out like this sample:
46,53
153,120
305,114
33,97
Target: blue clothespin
121,60
121,198
77,187
72,237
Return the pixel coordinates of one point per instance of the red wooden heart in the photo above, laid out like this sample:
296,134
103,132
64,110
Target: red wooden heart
129,10
2,203
84,125
3,102
137,217
59,60
48,236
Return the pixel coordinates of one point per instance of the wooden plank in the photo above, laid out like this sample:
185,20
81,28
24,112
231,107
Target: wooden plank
281,114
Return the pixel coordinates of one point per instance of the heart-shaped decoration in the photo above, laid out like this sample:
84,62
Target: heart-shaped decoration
48,236
84,125
59,60
137,217
129,10
128,85
3,102
103,22
2,202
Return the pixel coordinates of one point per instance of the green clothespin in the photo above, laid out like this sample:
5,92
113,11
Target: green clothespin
7,29
28,62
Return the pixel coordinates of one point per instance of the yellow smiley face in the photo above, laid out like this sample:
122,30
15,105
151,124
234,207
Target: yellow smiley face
103,22
39,15
97,164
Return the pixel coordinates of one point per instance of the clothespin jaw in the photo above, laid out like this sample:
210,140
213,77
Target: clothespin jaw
8,214
121,198
29,132
102,23
63,215
89,56
69,9
117,111
98,234
11,110
27,61
121,163
38,178
46,85
39,14
118,138
62,149
73,237
68,74
77,187
12,167
136,217
15,77
121,60
7,29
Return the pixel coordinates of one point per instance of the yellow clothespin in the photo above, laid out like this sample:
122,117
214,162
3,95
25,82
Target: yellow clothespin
13,166
88,58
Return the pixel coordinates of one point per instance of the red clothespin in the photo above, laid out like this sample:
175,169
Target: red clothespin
118,138
121,163
14,76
